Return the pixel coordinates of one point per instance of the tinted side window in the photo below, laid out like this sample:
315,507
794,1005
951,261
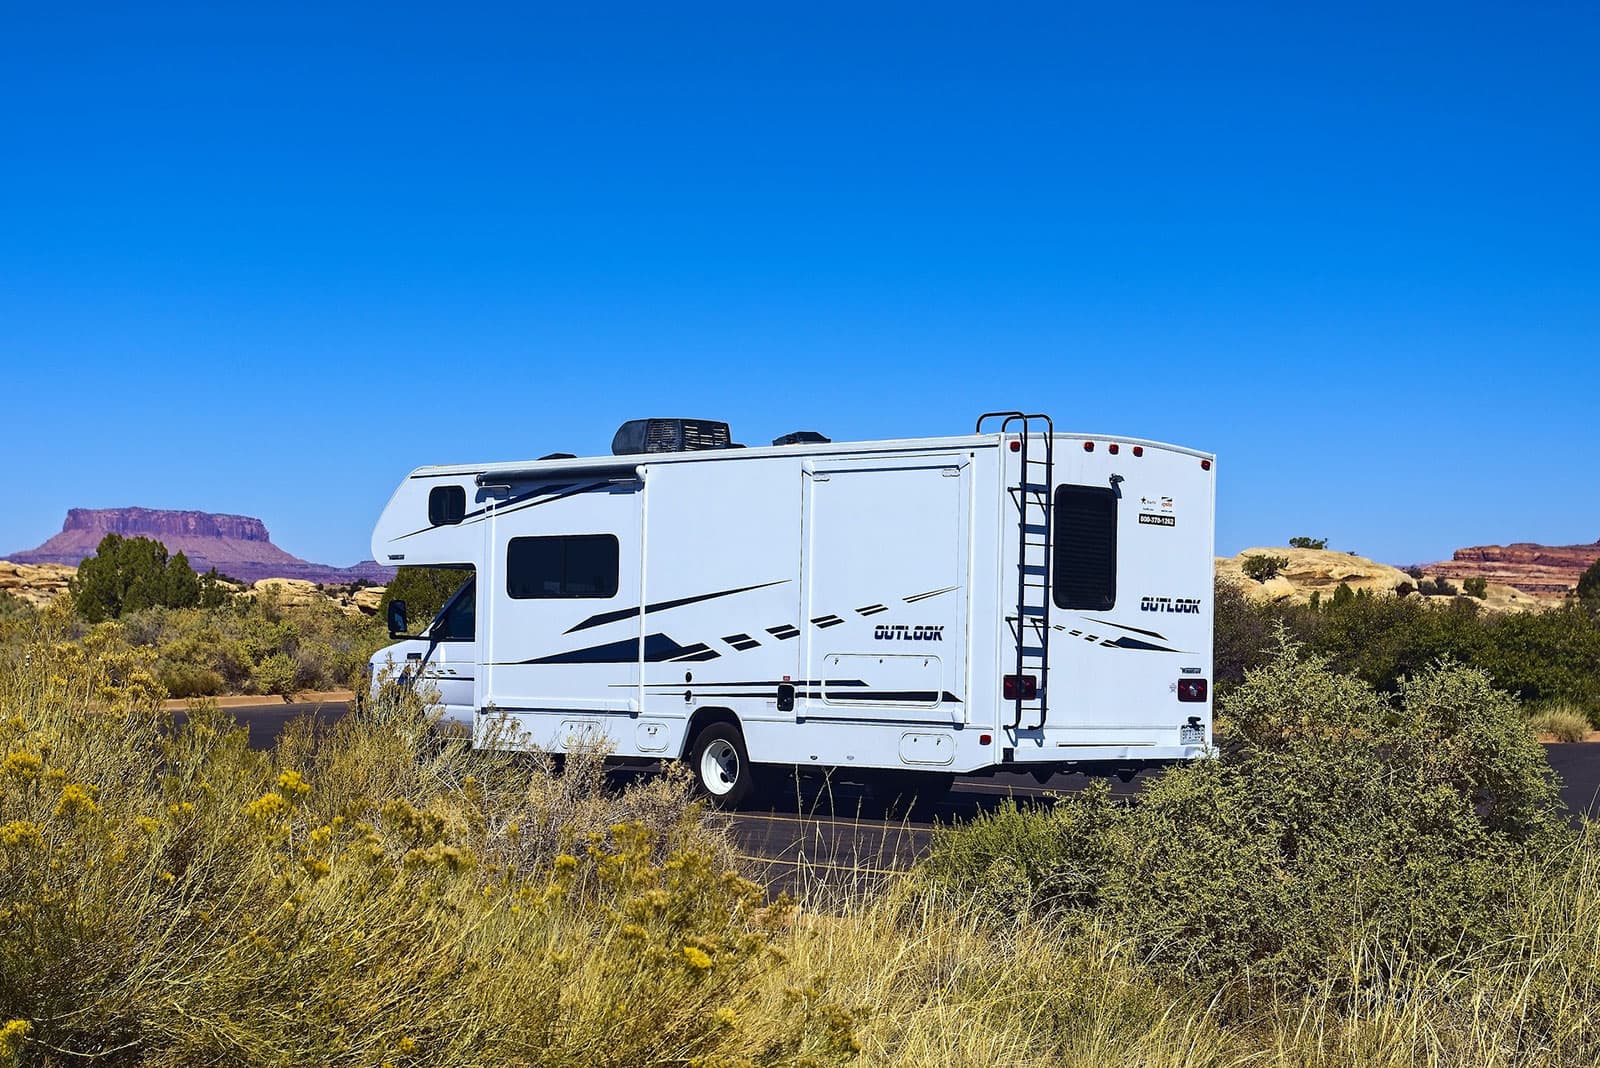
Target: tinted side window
570,565
447,505
1084,568
457,621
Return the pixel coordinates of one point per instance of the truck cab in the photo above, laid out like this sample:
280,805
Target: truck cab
441,658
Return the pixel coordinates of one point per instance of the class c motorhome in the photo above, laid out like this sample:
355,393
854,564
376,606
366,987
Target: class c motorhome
1013,599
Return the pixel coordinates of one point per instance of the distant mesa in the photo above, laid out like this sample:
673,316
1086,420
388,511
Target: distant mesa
1546,571
236,545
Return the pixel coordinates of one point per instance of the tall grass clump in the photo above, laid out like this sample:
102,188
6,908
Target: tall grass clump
371,895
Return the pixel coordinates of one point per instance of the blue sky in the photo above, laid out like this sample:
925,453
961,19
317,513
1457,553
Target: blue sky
267,263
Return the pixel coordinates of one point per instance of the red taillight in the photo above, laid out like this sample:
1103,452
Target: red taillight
1024,686
985,739
1191,690
1016,446
1205,465
1088,446
1112,448
1138,450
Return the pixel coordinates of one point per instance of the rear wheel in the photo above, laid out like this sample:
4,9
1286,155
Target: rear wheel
721,766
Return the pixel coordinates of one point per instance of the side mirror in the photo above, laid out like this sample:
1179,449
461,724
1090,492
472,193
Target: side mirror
397,619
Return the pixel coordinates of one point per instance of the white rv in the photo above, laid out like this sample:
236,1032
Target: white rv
1008,599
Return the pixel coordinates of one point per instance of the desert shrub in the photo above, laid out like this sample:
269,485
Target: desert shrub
1243,633
1308,543
14,607
1342,819
1415,572
369,895
1566,722
1404,589
1261,568
1476,586
188,680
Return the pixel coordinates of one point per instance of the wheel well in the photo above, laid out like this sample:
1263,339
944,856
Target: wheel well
705,717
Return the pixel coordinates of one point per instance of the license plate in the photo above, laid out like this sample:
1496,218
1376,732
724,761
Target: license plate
1191,735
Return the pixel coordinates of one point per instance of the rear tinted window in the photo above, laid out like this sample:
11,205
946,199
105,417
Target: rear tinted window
1084,529
568,565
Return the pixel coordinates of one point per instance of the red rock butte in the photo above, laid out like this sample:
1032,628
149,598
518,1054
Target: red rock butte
236,545
1542,570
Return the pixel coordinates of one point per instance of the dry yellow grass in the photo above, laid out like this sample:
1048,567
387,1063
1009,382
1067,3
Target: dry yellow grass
372,895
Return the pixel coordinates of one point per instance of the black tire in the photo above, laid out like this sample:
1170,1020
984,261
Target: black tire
721,767
911,792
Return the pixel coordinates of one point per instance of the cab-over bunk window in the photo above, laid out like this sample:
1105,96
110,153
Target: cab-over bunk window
1084,529
567,565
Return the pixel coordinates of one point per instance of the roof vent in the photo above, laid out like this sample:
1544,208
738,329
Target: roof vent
802,437
669,435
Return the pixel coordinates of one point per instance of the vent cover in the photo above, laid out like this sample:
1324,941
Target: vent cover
802,437
669,435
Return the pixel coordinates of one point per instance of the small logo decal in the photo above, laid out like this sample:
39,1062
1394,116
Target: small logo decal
1156,512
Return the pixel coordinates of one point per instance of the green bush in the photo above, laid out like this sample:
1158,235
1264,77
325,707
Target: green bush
1308,543
1538,656
1261,568
1340,819
1436,587
1476,586
1588,589
131,574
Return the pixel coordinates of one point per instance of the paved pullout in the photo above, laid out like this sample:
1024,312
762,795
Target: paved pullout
833,835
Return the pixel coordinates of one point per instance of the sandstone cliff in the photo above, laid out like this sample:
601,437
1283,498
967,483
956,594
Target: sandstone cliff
236,545
1546,571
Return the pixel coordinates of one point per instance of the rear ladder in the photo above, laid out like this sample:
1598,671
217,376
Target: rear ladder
1030,624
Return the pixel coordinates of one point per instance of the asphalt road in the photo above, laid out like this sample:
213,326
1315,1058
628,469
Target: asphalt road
831,838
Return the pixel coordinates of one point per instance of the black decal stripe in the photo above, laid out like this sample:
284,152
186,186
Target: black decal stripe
824,622
661,606
1124,626
762,682
657,648
882,697
873,609
533,498
1135,643
783,633
698,651
915,597
925,697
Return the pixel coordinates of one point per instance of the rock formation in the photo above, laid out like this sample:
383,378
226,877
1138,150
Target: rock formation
1545,571
1321,571
38,584
235,545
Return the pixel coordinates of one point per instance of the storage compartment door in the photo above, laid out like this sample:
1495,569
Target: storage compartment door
886,590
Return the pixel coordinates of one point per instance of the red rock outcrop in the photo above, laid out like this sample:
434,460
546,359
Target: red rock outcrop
1546,571
236,545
